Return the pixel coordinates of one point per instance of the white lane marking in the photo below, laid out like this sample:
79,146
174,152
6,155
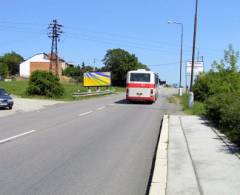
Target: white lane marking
111,104
16,136
85,113
101,108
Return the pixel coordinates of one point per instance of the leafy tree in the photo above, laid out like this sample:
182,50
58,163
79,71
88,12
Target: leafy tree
229,62
119,62
212,83
219,89
45,84
3,70
75,72
223,78
12,60
88,69
143,66
83,65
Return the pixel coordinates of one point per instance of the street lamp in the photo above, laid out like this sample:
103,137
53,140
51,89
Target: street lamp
181,53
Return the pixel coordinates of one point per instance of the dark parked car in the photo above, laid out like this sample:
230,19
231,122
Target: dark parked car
6,100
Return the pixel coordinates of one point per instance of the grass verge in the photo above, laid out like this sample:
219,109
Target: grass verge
197,109
19,88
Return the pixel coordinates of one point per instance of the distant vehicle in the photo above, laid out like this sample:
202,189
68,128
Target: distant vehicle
175,85
6,100
142,85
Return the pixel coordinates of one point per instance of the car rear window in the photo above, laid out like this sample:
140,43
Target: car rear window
140,77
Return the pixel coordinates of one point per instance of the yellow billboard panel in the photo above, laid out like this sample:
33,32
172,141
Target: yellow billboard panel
96,79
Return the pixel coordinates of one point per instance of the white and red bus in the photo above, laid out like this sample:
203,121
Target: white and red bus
142,85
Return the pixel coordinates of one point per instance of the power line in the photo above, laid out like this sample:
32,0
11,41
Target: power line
165,64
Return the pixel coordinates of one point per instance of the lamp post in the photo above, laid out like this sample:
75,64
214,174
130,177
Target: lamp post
181,53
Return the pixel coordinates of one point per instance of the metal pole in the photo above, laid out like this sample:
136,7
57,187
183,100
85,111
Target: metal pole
194,44
181,53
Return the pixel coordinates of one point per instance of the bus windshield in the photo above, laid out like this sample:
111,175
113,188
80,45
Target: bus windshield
140,77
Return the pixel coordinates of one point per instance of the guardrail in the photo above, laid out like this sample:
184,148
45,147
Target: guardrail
82,94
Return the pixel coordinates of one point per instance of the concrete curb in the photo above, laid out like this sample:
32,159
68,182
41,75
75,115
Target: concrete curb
159,180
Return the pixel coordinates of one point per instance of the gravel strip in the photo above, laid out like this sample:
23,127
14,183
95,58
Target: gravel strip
26,105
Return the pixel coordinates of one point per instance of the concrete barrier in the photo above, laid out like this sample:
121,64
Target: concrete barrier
159,179
82,94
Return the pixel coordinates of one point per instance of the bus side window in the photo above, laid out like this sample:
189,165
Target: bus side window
156,79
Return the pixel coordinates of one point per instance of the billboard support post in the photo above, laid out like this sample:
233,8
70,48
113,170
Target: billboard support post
89,90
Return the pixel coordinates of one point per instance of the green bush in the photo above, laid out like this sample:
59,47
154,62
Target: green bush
224,110
44,84
212,83
74,72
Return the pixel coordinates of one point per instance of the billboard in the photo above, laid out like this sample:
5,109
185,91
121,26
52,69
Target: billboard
96,79
198,68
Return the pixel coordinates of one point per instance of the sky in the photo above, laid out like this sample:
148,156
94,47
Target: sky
91,27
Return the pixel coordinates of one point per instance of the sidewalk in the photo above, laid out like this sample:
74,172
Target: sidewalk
198,161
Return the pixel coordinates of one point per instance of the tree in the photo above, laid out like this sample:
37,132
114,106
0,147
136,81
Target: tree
12,60
229,62
3,70
119,62
83,65
75,72
223,78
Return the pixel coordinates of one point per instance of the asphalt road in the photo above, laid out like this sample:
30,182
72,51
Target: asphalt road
96,146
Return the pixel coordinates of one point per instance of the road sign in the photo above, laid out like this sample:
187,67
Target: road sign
198,68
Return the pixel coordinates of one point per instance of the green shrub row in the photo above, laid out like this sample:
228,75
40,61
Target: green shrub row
219,91
224,110
212,83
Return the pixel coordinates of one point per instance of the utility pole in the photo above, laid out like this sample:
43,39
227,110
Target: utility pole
55,30
181,54
194,44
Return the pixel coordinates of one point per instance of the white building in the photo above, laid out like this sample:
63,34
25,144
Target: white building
40,62
25,67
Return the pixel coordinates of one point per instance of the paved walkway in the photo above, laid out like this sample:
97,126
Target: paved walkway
199,162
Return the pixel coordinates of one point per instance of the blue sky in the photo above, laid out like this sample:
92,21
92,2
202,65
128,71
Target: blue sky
139,26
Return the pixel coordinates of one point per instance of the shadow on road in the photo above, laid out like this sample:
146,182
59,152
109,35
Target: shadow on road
3,108
124,101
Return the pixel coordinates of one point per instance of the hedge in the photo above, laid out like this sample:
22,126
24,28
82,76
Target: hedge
224,110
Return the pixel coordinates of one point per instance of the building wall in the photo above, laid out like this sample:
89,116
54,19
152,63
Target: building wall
24,69
44,66
38,62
